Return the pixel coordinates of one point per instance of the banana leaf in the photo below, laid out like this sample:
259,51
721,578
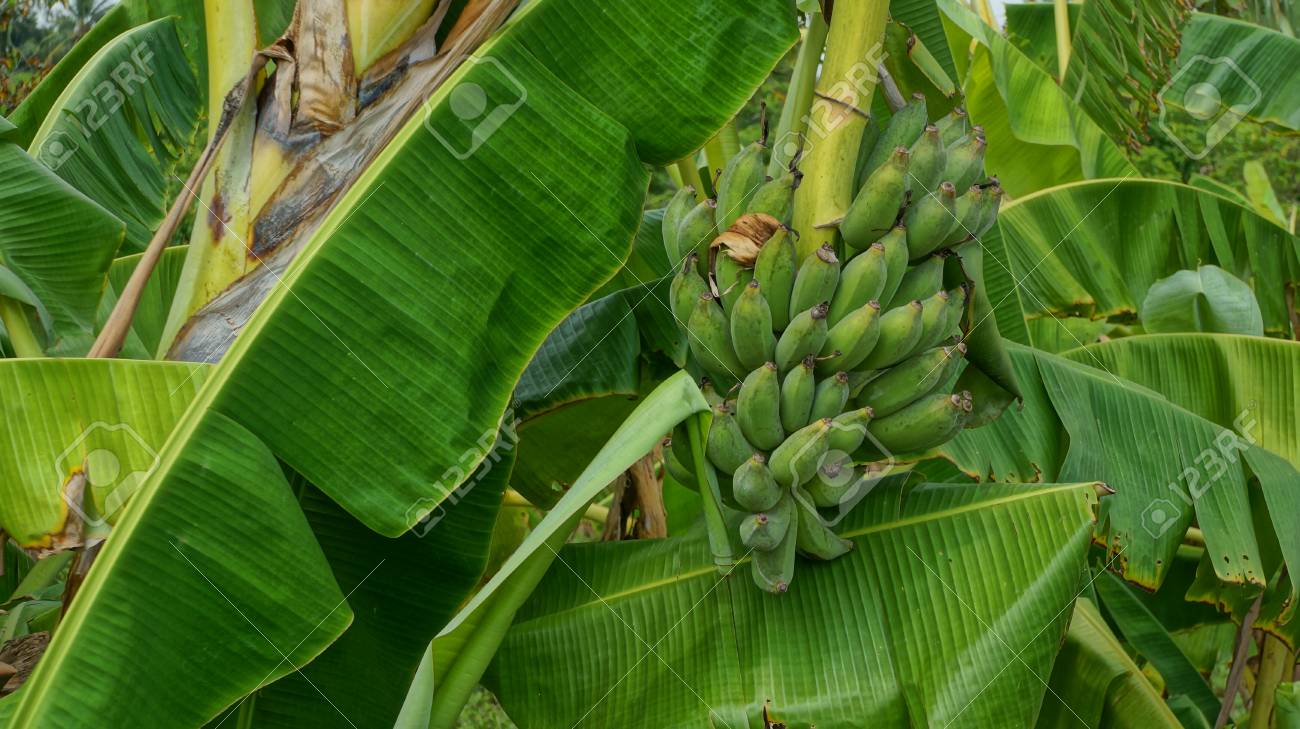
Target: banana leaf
127,128
462,650
57,242
1249,65
1166,463
922,17
486,269
1095,677
155,300
1094,248
1038,136
1208,299
933,619
1031,28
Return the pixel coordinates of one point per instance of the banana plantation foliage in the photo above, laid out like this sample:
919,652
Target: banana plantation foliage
644,364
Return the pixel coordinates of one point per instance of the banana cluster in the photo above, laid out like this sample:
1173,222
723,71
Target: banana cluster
819,368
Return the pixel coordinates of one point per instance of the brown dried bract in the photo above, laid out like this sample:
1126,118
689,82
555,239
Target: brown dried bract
746,237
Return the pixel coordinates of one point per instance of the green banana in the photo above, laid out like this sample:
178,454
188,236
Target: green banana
677,209
678,471
900,330
911,379
764,531
876,206
928,160
833,481
930,421
970,211
710,340
830,396
805,335
993,201
797,396
685,289
773,570
850,341
774,270
776,197
936,313
896,257
953,126
758,408
796,460
965,164
816,280
904,127
862,279
726,447
751,327
696,231
753,486
814,539
849,429
930,220
731,278
740,179
920,281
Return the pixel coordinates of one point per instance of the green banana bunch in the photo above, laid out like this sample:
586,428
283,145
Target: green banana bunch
844,353
930,421
740,181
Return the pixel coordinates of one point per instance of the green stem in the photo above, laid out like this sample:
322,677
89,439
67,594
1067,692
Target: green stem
794,115
20,332
1276,661
690,173
847,83
1063,47
719,541
715,151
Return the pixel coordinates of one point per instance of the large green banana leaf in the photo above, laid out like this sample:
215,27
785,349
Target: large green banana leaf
1037,136
58,242
463,649
935,619
1255,78
1095,677
127,127
1031,28
1167,465
484,271
247,587
1094,248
